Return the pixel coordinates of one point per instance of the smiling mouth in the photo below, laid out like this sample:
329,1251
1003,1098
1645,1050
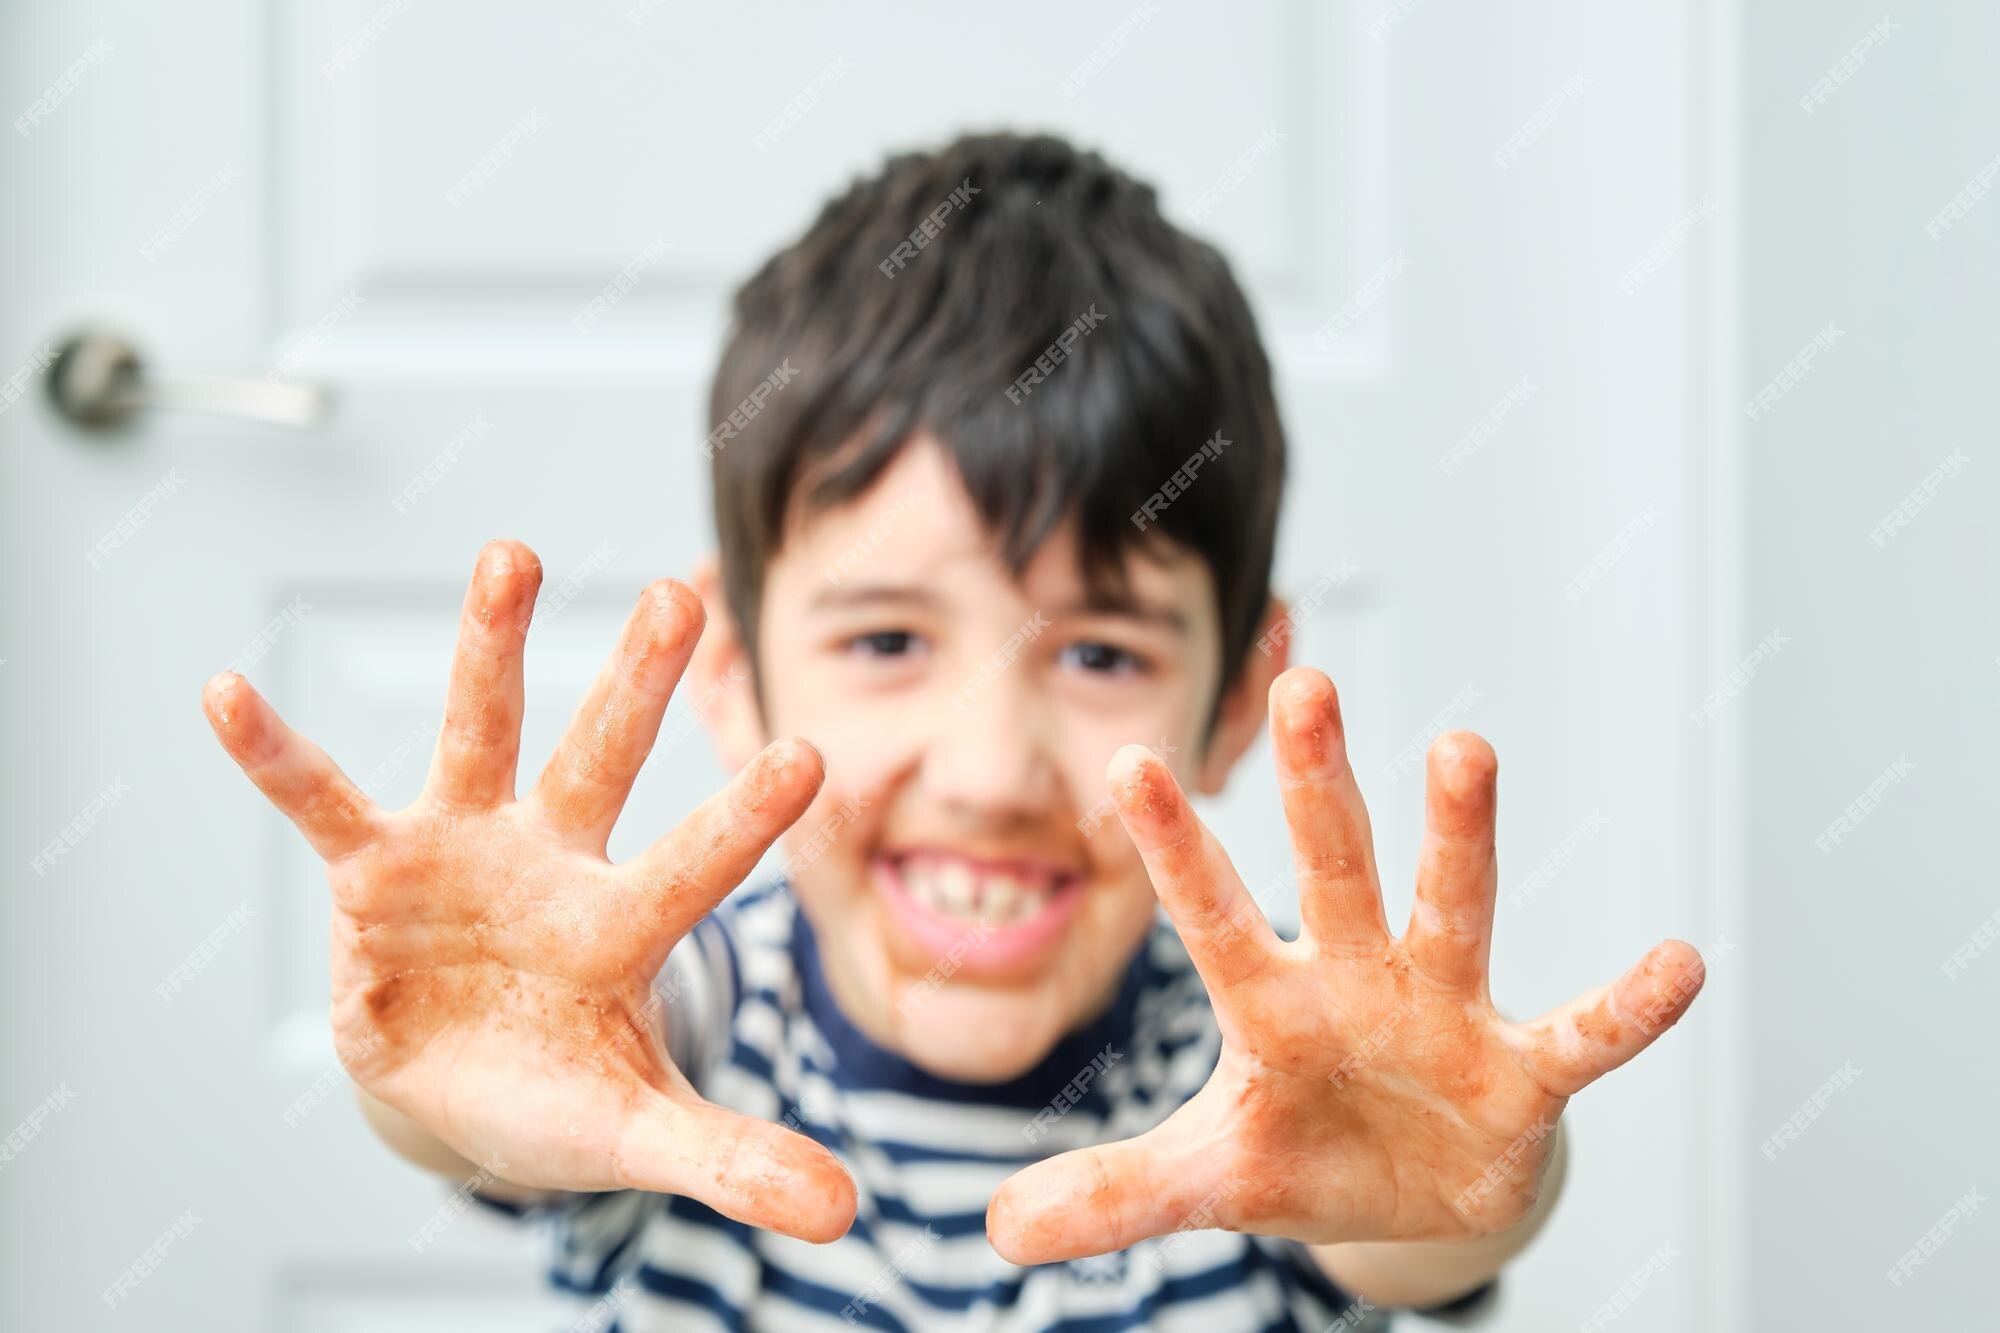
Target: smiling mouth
978,912
972,891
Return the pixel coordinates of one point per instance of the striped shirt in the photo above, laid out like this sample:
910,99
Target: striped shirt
754,1026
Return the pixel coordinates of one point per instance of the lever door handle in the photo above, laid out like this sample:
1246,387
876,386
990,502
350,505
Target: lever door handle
99,380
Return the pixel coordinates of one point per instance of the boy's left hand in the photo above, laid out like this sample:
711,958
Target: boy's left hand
1366,1090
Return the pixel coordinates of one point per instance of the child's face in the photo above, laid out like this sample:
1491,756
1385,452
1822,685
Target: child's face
973,897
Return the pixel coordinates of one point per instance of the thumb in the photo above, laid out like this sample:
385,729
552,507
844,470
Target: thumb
1095,1200
750,1170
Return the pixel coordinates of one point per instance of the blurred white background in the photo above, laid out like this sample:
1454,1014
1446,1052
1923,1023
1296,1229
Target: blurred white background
1525,272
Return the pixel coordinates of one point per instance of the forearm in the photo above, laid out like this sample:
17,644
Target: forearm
1417,1274
418,1146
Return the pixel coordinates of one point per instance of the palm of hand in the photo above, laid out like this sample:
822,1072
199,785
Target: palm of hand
1366,1088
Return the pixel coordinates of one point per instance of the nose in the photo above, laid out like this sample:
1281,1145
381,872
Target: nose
988,757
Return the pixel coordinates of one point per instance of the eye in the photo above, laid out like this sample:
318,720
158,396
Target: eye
1104,659
884,643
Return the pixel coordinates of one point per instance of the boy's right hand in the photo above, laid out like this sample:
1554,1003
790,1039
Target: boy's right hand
493,971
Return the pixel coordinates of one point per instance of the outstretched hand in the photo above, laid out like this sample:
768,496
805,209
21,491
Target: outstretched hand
492,970
1367,1089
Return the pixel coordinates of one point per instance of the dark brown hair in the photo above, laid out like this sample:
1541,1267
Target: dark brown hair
932,296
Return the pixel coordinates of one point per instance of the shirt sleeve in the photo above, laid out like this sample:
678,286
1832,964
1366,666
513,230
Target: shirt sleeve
699,989
590,1236
1474,1304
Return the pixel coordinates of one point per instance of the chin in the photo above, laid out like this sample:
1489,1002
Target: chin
966,1034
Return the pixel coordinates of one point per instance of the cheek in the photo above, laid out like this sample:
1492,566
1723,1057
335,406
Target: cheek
1118,876
1130,908
866,757
1170,726
1110,932
826,851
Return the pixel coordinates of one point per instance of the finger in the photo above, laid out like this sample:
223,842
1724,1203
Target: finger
592,771
750,1170
1333,851
681,878
290,770
1095,1200
1451,923
1226,934
480,740
1572,1047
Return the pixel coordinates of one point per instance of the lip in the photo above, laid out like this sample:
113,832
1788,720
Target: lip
975,946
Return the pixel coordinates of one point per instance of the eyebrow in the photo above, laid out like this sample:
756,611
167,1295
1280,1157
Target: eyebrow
1132,608
848,596
841,596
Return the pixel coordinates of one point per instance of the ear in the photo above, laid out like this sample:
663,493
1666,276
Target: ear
1246,702
718,678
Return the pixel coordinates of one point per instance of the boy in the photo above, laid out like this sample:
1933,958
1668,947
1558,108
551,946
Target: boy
1009,520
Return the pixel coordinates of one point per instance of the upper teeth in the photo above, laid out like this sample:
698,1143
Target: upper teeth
946,884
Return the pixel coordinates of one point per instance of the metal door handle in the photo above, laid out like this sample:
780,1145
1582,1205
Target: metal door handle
98,380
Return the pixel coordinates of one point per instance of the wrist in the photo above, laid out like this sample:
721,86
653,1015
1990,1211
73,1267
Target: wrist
411,1141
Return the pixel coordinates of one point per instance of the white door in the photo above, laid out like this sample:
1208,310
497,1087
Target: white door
1439,211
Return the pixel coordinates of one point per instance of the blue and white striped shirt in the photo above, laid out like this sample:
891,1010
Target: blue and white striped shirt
756,1029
